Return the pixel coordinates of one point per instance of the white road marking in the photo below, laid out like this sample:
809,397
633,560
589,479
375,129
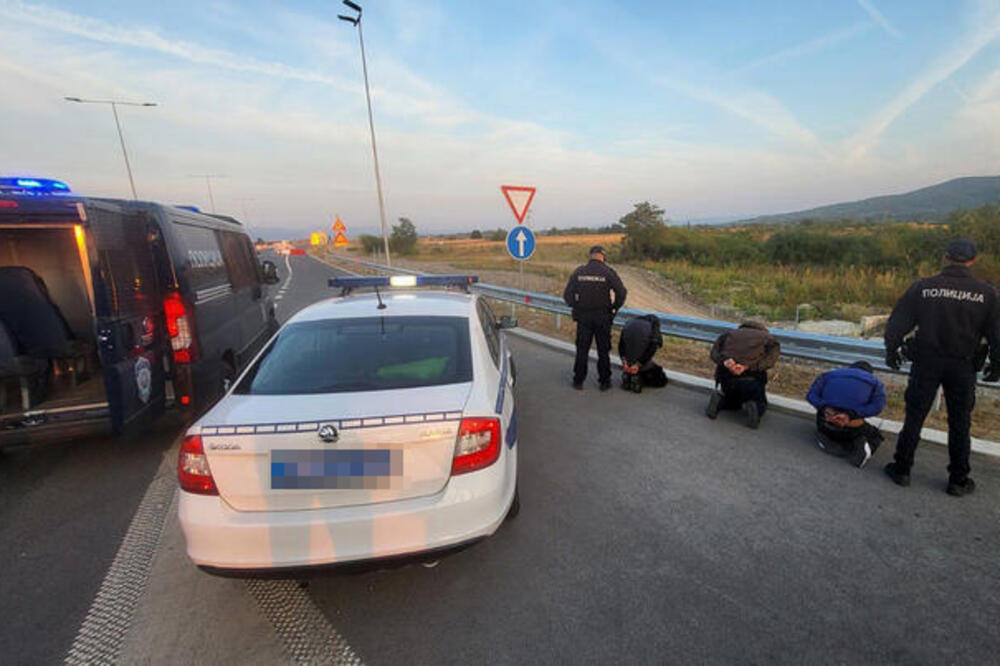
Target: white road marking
103,631
307,635
305,632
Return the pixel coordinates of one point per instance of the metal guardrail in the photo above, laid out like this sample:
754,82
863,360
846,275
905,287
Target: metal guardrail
834,349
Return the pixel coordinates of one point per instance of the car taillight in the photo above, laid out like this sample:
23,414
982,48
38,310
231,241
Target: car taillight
193,472
7,203
179,327
477,445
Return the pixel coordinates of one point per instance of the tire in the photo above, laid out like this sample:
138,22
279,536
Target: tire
515,506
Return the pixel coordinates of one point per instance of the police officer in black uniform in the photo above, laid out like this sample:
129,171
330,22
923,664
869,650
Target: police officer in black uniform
588,293
952,312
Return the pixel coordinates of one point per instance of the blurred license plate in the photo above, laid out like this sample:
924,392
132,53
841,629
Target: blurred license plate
354,469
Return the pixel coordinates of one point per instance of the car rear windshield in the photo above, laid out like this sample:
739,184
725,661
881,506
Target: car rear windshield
362,354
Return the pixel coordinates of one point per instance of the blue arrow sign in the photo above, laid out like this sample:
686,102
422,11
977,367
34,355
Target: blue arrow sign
520,242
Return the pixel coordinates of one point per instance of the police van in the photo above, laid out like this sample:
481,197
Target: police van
111,309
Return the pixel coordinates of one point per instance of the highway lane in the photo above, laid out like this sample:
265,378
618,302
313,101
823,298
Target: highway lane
303,282
647,533
650,534
65,506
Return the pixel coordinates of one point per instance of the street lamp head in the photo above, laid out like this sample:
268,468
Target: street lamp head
353,6
72,99
349,19
149,104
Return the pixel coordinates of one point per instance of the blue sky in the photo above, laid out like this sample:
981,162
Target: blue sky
707,109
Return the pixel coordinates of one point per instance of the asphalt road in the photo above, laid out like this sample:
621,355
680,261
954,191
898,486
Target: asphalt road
647,534
65,506
650,534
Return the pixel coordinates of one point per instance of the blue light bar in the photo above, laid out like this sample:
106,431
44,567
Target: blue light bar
34,185
361,281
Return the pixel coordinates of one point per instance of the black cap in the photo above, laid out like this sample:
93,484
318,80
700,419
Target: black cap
596,249
863,365
961,249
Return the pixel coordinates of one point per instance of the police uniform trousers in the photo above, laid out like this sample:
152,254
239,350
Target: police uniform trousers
958,378
737,389
594,326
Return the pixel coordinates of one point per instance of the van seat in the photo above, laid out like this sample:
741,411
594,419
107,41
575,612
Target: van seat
31,373
36,324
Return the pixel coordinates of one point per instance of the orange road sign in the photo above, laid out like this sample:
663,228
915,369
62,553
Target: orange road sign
339,226
340,240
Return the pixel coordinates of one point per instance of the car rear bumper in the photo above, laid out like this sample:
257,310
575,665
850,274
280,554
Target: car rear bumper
471,506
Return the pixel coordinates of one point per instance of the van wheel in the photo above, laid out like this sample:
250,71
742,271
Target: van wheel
515,506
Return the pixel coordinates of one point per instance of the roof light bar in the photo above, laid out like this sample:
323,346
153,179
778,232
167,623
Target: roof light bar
358,282
403,281
34,185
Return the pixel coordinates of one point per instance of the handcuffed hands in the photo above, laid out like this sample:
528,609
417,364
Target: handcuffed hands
734,367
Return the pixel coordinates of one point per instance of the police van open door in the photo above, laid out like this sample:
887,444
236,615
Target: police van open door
128,259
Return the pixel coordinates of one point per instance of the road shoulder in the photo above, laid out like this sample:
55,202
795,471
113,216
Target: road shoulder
187,616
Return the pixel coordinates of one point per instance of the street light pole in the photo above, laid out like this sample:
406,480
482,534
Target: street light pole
114,103
356,21
208,184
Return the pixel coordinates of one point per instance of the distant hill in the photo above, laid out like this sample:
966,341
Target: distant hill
928,203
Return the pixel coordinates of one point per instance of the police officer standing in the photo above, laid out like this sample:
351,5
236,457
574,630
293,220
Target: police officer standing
953,312
588,293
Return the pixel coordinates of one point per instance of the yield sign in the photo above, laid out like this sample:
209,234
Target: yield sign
340,240
519,199
338,225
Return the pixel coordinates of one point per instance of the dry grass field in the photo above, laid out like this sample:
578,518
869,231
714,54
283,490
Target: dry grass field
792,377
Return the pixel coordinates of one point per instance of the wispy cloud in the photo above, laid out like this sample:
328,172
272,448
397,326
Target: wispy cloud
715,89
806,48
141,37
754,106
880,18
939,71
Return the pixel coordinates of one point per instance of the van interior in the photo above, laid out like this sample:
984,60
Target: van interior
48,354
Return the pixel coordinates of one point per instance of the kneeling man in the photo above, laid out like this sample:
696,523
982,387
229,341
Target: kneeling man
843,399
637,345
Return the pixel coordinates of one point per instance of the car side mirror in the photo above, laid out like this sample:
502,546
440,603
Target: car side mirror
507,321
270,272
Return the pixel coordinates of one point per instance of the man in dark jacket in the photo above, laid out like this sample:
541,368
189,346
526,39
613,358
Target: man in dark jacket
636,346
743,357
588,293
952,312
843,399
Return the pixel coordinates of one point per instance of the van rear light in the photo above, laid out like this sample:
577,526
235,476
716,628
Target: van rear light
179,327
7,203
193,472
477,445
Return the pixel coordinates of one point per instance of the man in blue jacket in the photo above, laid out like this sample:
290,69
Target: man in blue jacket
843,399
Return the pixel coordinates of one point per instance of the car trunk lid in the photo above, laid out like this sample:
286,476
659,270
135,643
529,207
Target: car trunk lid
373,451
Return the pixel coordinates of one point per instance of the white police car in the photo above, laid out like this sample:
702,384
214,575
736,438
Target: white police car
370,426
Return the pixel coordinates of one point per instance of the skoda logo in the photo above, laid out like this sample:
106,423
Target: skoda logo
328,433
